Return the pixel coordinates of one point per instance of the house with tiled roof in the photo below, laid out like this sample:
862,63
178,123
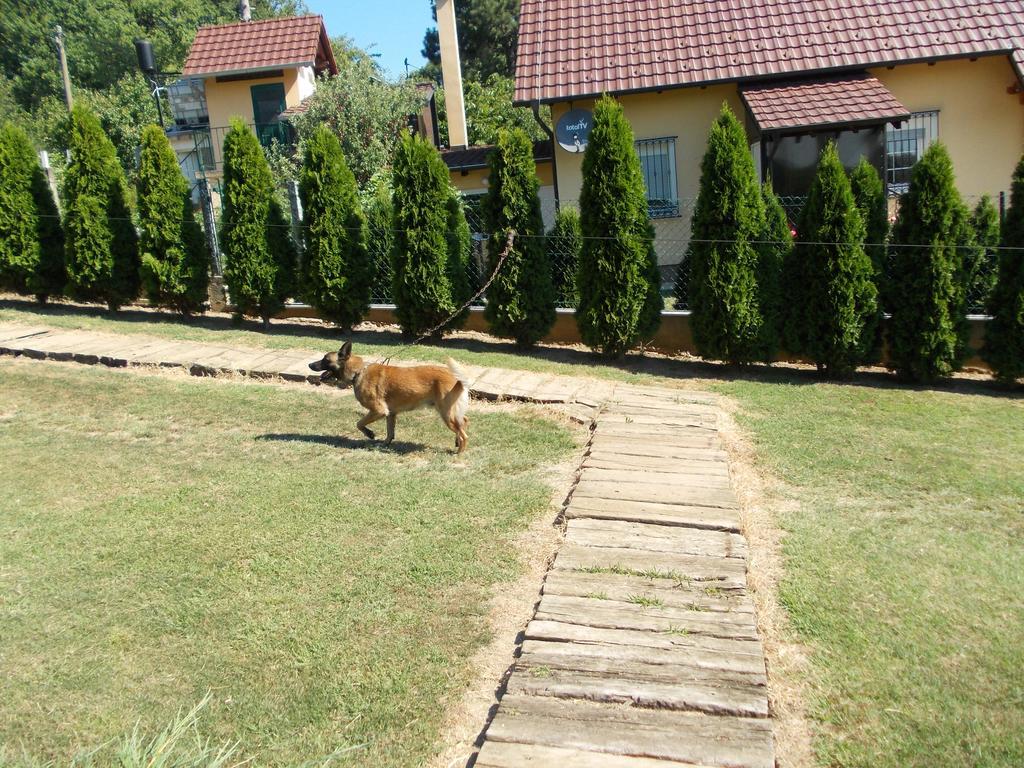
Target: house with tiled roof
259,71
884,78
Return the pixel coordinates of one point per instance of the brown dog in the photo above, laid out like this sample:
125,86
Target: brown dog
386,390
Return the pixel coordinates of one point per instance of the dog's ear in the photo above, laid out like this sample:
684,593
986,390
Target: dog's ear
346,350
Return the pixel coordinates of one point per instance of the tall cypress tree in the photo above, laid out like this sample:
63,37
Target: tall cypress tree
615,279
982,263
259,258
1004,341
521,300
837,293
774,253
460,252
102,246
728,221
869,195
422,286
337,272
174,253
564,243
927,329
31,237
380,226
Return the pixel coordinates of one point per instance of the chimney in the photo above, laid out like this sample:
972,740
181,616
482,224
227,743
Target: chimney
243,10
451,71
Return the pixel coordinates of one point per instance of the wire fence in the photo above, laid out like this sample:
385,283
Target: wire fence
671,243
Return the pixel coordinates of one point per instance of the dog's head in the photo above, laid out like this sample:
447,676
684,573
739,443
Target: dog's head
341,366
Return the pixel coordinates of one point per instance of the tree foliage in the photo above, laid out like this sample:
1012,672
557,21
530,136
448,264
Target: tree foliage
564,244
259,257
489,111
982,263
774,253
31,237
380,228
366,113
174,256
835,299
488,31
927,330
615,279
421,263
1004,341
336,267
521,300
102,245
869,195
728,223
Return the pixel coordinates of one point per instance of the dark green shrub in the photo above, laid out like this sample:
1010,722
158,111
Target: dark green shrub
259,257
422,288
102,246
927,330
723,256
521,299
564,243
650,313
31,237
1004,341
337,272
460,254
774,253
981,264
380,227
614,277
869,195
174,253
837,296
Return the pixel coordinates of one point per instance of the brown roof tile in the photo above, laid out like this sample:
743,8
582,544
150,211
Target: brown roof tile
253,45
846,100
575,48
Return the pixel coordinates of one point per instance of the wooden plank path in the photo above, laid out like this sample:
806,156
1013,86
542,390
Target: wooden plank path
643,651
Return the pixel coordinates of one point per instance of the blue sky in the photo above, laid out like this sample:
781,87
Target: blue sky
393,27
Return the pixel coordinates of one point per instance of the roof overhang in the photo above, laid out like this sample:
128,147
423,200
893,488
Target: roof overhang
821,104
255,72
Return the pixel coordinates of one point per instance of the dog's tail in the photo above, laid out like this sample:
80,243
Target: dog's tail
463,386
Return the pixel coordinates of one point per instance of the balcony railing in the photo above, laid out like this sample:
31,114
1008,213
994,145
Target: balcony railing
210,142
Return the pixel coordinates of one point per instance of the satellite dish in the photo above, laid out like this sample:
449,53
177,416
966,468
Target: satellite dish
573,130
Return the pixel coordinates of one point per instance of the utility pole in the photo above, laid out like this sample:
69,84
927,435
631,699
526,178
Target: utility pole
58,38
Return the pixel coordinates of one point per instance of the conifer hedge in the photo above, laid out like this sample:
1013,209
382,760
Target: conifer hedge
869,195
521,299
460,252
982,263
174,255
102,246
835,327
616,281
259,257
774,254
1004,341
564,244
723,256
928,328
424,216
31,236
336,268
380,228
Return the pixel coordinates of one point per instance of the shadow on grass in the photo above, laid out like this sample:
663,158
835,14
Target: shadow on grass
683,367
341,441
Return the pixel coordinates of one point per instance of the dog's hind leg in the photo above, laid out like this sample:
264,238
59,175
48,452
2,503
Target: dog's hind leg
392,418
366,421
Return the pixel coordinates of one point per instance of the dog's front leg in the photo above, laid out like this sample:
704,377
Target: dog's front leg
392,418
366,421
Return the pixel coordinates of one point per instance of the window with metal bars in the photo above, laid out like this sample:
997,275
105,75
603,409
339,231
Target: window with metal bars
658,162
904,147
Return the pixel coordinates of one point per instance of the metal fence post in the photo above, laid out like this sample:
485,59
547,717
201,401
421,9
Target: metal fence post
297,213
210,225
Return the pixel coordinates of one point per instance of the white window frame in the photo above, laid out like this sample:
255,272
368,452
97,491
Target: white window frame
913,136
663,146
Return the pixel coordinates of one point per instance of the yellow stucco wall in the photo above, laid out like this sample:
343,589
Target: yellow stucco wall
475,181
980,123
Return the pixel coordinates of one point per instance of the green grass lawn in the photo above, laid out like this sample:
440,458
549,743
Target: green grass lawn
164,537
903,566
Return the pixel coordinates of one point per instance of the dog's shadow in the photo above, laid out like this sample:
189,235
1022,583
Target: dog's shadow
341,441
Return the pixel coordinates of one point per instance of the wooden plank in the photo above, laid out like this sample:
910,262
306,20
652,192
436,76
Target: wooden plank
155,354
716,571
658,493
670,661
707,442
687,737
635,475
704,696
633,429
622,587
657,409
656,538
47,344
567,632
613,615
605,459
15,333
497,754
711,518
639,447
667,422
